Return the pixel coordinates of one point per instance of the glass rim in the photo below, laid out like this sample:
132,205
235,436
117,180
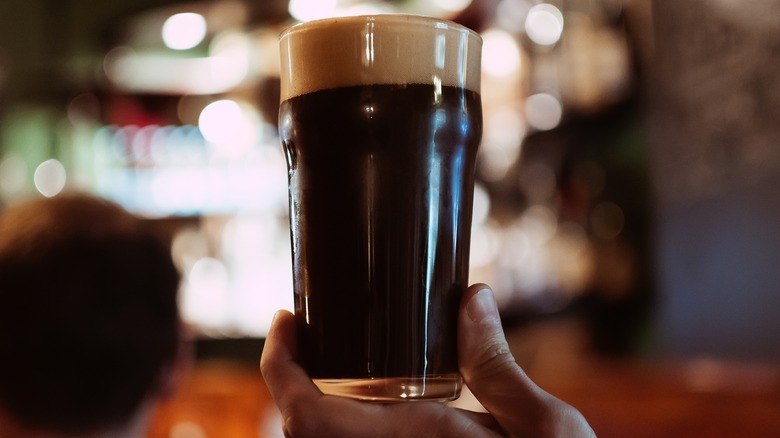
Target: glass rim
383,17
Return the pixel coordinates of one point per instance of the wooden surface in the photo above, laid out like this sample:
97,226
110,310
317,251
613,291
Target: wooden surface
702,397
651,397
218,399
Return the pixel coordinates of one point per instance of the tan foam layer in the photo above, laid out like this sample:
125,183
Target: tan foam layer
381,49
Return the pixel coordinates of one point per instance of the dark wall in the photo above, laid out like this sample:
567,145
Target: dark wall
715,93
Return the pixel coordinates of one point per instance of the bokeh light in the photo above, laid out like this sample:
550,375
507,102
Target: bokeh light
481,207
502,141
540,223
486,241
184,31
49,178
205,298
544,24
543,111
227,124
307,10
231,54
257,247
452,5
187,429
214,159
511,14
500,53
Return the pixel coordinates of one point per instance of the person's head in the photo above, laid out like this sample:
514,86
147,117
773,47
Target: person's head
89,323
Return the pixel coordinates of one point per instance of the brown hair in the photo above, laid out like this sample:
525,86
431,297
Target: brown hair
88,313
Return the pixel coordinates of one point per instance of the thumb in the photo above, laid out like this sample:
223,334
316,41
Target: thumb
490,369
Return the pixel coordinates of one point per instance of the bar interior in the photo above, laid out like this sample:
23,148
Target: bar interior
626,209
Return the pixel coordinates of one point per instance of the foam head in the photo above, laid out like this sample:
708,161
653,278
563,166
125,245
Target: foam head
378,49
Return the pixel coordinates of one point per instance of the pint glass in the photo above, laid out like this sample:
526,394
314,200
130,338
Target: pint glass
380,121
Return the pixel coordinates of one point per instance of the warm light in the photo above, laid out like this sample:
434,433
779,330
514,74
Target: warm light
452,5
187,429
230,57
184,31
511,14
540,223
544,24
543,111
307,10
205,298
481,206
49,178
500,53
261,273
505,126
486,242
495,161
225,122
502,141
159,73
363,9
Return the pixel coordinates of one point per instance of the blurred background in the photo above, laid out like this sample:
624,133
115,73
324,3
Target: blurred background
626,211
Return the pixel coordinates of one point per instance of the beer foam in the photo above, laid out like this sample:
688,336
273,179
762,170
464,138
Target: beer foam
378,49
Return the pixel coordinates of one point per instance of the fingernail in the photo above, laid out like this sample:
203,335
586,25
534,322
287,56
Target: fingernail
482,306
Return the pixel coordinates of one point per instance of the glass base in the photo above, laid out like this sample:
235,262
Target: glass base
442,388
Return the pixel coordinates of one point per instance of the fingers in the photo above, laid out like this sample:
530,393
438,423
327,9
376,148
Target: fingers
488,366
289,385
485,358
278,362
306,412
519,406
482,420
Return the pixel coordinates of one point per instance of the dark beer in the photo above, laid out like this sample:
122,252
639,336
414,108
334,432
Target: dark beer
379,180
380,120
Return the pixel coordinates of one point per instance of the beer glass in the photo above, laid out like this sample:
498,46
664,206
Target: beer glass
380,121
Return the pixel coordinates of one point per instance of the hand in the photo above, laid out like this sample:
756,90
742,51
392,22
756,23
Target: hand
516,406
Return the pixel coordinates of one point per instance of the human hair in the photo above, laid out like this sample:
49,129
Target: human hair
88,313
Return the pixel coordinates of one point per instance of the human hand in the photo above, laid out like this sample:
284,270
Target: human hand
516,406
